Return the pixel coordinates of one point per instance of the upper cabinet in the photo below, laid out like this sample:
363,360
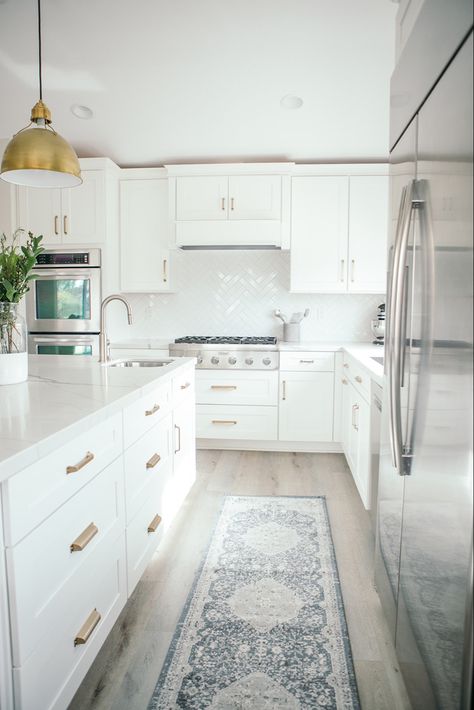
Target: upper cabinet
70,216
144,225
339,232
230,205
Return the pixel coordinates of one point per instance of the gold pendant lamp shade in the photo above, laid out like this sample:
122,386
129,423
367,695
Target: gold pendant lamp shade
37,156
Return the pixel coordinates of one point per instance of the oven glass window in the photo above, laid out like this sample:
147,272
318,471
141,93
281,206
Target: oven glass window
64,349
63,299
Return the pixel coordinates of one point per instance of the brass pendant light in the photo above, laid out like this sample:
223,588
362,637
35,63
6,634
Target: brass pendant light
37,156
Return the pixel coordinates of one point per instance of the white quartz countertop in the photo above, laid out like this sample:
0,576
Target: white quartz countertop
63,397
142,344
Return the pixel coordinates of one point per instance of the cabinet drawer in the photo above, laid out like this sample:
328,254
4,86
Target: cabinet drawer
37,491
357,375
183,386
147,459
143,414
52,673
221,387
307,361
44,560
227,422
143,535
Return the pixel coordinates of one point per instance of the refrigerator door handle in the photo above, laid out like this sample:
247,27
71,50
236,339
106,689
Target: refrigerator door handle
396,319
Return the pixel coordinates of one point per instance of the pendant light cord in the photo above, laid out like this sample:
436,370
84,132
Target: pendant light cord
39,51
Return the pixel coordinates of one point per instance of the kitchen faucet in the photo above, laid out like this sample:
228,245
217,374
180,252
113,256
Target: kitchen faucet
104,343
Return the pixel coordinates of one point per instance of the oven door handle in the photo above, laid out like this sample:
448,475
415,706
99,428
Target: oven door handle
60,273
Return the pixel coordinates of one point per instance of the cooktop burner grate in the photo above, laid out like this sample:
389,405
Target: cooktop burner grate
227,340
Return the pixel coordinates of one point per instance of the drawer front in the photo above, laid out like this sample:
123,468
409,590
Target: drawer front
147,459
227,422
141,416
37,491
183,385
357,375
52,673
143,536
69,542
307,361
221,387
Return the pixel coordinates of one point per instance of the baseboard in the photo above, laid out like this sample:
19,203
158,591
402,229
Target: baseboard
309,447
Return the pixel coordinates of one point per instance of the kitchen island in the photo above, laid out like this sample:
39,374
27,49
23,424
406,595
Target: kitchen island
95,461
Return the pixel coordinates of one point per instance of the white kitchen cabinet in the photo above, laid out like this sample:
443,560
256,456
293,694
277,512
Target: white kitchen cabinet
144,225
319,234
6,690
306,407
229,205
184,450
356,436
70,216
339,229
368,229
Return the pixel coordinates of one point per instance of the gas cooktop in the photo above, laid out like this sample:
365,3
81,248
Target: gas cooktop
227,340
228,351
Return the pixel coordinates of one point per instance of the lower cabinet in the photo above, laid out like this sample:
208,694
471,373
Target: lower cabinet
306,406
356,438
77,545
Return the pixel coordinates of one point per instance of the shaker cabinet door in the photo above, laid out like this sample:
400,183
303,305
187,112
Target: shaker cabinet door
201,198
255,197
39,211
319,232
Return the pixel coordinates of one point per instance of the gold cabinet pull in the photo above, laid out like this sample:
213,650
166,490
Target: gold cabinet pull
178,429
344,381
186,385
56,230
353,263
307,362
153,526
65,224
223,387
222,203
342,269
232,204
358,379
153,410
165,270
224,421
84,538
87,628
83,462
151,463
283,390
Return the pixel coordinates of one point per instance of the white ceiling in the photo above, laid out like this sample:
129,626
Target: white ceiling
201,80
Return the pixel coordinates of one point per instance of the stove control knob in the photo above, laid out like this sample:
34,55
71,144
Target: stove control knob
199,360
249,360
232,360
214,360
266,361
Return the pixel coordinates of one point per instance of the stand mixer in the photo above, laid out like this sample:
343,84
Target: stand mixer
378,325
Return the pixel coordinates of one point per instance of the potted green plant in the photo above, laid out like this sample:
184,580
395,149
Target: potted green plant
16,264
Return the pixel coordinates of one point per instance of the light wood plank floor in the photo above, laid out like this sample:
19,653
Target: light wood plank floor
125,671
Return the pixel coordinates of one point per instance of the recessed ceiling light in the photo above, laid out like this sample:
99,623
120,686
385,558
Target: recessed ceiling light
83,112
291,101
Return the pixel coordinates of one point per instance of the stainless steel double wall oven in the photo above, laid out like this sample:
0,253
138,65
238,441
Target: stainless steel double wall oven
63,304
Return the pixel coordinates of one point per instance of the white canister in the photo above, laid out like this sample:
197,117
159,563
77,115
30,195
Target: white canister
291,332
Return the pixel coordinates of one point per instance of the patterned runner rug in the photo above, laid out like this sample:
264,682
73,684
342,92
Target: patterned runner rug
263,626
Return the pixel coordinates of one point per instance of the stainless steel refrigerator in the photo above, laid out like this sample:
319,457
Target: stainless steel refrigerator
423,566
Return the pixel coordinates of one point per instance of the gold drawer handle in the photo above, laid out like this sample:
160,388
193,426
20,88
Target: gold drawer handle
185,386
344,381
223,387
156,458
153,410
65,224
87,628
307,362
84,538
224,421
358,379
154,524
83,462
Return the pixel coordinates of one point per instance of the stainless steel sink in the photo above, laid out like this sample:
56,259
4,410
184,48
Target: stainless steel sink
141,363
378,359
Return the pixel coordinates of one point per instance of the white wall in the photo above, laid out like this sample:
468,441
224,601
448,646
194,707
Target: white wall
235,293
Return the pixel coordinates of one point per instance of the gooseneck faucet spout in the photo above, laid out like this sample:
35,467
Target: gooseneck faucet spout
104,344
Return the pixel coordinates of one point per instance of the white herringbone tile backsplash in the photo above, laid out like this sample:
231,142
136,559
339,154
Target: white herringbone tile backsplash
235,293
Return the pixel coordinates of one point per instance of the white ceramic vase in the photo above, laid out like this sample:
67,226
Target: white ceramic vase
13,352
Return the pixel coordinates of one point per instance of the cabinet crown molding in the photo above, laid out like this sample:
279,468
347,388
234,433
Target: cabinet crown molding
229,169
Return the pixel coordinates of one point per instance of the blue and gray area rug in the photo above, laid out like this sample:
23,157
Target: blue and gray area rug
263,627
